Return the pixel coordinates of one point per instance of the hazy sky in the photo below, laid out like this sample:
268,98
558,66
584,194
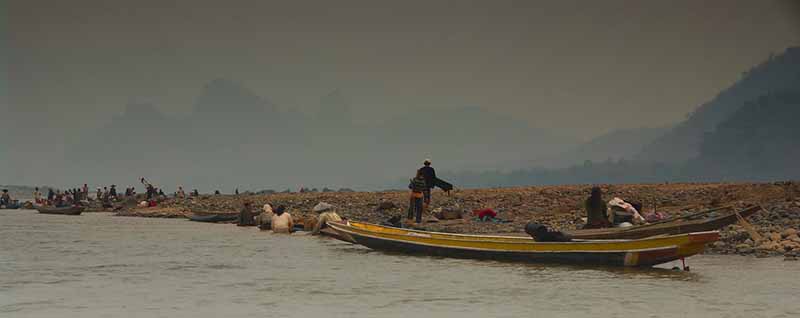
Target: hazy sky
579,67
575,68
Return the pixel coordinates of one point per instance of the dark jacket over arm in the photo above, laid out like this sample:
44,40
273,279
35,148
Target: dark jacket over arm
430,176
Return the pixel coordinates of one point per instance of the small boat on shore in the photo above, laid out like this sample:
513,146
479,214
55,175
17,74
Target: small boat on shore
214,218
67,210
641,252
679,225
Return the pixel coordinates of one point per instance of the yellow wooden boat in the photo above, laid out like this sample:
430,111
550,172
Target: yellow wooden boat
640,252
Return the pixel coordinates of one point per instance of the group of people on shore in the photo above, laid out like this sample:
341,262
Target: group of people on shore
61,198
279,220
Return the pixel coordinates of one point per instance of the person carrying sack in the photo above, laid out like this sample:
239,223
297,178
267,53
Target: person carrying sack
416,201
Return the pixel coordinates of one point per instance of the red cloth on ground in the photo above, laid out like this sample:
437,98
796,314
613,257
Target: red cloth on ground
485,212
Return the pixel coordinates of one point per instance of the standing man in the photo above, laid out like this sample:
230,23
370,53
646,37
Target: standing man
37,196
430,181
85,192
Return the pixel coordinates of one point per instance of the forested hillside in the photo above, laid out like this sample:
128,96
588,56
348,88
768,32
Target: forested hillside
776,74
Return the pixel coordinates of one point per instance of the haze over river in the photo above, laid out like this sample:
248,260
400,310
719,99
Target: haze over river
99,265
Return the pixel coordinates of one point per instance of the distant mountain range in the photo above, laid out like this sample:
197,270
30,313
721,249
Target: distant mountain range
615,145
235,138
682,142
747,132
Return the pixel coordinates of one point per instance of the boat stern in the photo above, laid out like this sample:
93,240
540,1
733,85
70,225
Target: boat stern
695,244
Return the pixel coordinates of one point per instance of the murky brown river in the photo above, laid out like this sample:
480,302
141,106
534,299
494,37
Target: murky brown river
98,265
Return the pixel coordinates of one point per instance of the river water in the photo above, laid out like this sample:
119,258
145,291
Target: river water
99,265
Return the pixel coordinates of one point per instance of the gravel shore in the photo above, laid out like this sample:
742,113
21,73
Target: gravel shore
560,207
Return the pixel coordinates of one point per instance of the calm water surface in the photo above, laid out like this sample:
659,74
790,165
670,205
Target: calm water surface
98,265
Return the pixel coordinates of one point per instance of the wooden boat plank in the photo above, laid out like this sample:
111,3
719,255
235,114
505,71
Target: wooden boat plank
677,227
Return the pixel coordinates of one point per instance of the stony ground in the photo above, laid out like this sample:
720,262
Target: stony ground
557,206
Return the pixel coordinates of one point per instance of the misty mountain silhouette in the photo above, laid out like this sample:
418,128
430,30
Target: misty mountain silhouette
747,133
233,137
615,145
758,142
778,73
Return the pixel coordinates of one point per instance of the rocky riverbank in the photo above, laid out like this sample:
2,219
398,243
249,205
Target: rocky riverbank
560,207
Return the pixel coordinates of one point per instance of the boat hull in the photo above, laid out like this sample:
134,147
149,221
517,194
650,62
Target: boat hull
647,252
72,210
670,228
214,218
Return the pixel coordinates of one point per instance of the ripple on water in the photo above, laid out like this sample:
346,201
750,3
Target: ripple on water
140,266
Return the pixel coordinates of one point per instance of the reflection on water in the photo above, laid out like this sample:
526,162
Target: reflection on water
100,265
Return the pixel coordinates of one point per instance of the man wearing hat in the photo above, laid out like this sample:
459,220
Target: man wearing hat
430,180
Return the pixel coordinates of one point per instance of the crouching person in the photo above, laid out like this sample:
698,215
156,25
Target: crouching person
326,213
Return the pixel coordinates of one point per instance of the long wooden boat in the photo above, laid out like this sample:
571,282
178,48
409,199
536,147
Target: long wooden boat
677,226
214,218
68,210
642,252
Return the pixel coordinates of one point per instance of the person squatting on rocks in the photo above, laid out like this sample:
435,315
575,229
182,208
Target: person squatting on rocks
246,217
596,211
417,186
326,213
282,221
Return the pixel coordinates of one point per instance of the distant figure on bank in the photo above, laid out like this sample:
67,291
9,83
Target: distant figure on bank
264,220
415,206
5,198
52,195
37,196
326,213
85,192
216,192
236,192
99,195
112,193
596,211
195,193
282,221
58,200
430,180
246,217
180,193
